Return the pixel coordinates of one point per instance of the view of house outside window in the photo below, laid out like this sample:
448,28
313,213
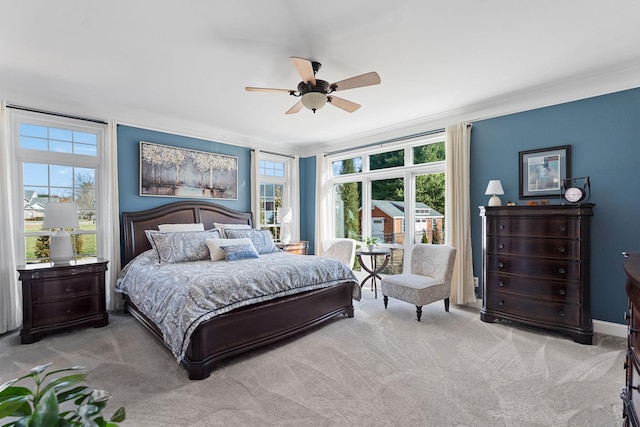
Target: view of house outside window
273,194
58,165
379,182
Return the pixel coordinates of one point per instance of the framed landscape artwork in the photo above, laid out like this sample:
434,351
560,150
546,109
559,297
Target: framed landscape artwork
543,170
167,171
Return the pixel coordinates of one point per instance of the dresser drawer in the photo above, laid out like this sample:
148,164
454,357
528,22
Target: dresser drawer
64,311
541,227
558,269
561,291
560,248
555,313
71,287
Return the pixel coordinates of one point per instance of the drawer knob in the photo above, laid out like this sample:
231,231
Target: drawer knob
562,292
67,289
562,228
500,264
68,310
561,313
501,284
501,226
561,249
501,302
501,245
562,270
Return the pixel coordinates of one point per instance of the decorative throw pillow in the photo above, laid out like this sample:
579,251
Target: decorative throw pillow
261,239
215,246
224,227
236,252
181,227
181,246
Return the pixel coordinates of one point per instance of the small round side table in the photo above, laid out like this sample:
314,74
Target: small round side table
376,268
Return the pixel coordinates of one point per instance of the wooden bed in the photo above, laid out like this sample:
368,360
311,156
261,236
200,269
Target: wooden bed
242,329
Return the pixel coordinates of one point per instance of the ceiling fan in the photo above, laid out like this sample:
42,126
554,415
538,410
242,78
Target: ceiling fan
315,93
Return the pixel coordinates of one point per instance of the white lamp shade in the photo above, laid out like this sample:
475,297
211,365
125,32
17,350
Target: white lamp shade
284,214
60,215
494,187
314,100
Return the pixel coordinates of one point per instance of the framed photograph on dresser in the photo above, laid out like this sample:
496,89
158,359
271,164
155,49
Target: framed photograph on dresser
542,171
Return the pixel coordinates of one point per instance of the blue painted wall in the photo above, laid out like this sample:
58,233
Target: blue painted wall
308,201
129,168
604,134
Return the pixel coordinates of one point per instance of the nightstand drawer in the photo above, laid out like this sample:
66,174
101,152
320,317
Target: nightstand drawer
64,311
562,291
542,227
72,287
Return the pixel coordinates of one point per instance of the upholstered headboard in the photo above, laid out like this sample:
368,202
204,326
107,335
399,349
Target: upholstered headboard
135,223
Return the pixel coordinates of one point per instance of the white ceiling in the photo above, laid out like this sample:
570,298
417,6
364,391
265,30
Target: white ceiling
181,66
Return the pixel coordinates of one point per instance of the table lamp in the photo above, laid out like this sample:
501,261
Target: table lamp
494,188
60,216
285,216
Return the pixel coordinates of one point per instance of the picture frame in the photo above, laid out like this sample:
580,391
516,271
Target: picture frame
167,171
543,170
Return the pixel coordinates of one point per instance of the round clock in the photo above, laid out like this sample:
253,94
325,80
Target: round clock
574,194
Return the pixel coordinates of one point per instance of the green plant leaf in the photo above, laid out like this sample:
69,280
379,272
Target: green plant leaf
63,382
15,406
119,415
46,411
39,369
81,391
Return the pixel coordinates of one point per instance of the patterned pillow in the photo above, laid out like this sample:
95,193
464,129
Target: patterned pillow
181,227
182,246
224,227
261,239
236,252
215,246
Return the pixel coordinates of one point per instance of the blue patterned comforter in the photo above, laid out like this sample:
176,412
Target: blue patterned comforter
178,297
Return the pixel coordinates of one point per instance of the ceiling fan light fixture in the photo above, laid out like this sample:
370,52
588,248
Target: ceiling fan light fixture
314,100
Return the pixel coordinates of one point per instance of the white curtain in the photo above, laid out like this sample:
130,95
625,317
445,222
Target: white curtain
110,220
323,207
10,292
457,211
295,197
255,189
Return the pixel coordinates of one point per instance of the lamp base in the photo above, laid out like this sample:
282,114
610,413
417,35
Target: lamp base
495,201
60,250
285,233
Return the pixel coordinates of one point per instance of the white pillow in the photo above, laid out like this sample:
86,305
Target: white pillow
222,227
181,227
218,254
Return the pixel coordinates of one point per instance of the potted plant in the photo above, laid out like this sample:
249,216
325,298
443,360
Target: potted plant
55,401
371,241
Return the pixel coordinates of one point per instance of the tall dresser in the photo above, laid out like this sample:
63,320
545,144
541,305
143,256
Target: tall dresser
536,267
630,394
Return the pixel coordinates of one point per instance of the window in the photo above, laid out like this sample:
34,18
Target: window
274,191
404,186
58,160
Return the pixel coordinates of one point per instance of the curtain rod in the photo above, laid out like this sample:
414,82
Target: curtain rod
275,154
51,113
387,141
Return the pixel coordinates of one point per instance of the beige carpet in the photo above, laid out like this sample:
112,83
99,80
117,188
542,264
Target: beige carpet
381,368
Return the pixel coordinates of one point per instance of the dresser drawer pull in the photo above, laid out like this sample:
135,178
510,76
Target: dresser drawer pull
561,313
562,228
501,302
562,292
561,249
562,270
501,226
501,284
67,289
68,310
500,245
500,264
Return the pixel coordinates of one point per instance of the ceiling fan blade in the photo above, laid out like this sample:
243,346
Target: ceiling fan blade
266,89
367,79
297,107
305,69
343,104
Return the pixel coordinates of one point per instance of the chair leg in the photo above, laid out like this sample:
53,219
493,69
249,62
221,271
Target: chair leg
446,304
419,312
386,300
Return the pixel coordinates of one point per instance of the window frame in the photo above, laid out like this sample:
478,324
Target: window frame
285,181
27,155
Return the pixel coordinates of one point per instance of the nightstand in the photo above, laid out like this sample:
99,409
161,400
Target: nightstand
57,297
299,248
